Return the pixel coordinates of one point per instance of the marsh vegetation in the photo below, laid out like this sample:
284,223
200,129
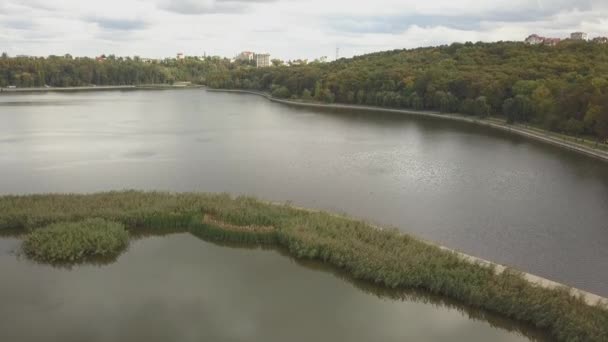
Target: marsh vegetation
382,256
76,241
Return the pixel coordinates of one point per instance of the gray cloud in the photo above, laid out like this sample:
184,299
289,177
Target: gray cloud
209,6
18,24
28,4
119,24
399,23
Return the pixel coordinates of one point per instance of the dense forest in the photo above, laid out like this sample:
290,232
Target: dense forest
562,88
66,71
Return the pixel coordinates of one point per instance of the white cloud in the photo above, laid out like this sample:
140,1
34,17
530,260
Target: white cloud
284,28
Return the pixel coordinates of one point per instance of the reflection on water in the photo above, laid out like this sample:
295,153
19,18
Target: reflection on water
179,288
532,206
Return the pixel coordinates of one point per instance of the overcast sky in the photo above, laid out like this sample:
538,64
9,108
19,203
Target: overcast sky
287,29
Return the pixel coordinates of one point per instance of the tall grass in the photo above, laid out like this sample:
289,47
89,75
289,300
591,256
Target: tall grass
384,257
76,241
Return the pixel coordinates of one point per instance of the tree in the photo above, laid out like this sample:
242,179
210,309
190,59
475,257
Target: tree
574,127
276,62
482,108
601,126
523,108
281,92
306,95
509,109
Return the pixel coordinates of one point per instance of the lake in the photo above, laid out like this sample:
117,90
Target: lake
179,288
532,206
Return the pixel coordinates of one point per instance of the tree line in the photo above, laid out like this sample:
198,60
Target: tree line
66,71
561,88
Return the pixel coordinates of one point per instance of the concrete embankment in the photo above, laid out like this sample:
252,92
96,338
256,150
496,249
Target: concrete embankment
590,298
601,155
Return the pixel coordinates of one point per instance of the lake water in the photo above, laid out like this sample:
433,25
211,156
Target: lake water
532,206
179,288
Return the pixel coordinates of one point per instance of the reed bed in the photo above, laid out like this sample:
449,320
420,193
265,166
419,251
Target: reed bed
385,257
76,241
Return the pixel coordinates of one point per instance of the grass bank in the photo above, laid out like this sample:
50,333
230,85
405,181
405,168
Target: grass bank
595,150
381,256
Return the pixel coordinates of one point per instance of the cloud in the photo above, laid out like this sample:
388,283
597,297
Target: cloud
119,24
471,19
194,7
288,29
18,24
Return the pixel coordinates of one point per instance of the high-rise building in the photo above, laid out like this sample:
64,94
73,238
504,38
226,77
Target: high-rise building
262,60
578,36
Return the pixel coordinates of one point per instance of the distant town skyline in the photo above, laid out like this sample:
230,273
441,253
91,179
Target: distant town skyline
286,29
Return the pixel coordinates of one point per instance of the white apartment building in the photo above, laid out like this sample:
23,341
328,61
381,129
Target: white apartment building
262,60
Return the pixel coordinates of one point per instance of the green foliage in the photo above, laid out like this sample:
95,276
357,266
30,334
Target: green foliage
381,256
306,95
281,92
76,241
550,85
71,72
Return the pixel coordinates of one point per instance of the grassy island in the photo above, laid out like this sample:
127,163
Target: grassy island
76,241
382,256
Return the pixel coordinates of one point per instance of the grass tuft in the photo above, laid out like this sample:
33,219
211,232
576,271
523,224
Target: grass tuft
76,241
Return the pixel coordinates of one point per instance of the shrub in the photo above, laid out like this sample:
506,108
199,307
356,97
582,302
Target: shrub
76,241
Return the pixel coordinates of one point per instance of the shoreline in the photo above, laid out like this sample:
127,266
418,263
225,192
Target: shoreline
575,147
96,88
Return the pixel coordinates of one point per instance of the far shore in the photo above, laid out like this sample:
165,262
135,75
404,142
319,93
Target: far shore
531,133
98,88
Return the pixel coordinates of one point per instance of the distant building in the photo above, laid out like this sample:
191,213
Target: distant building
180,56
245,56
578,36
535,39
262,60
298,62
600,40
552,41
100,58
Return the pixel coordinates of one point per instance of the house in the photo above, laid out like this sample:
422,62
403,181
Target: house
535,39
180,56
262,60
298,62
245,56
578,36
552,41
600,40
